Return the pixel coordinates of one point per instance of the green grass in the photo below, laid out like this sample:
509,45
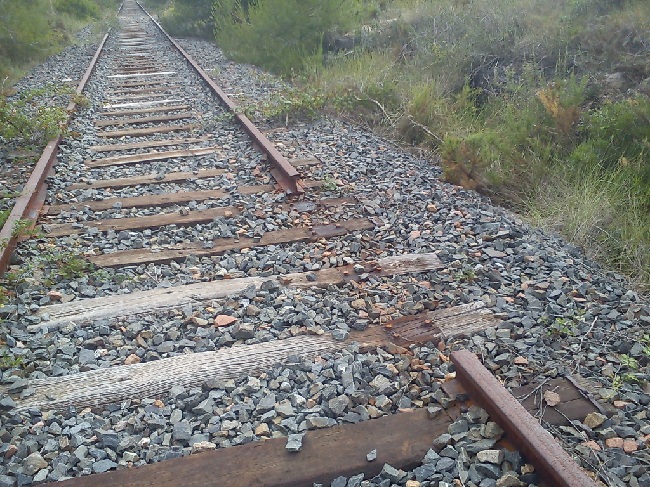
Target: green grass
32,30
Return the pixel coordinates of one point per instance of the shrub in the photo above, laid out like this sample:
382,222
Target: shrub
81,9
284,36
191,18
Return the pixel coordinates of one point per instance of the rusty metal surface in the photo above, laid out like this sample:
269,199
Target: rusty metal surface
28,204
284,173
554,464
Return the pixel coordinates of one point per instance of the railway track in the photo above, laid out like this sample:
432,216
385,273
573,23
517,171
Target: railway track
221,345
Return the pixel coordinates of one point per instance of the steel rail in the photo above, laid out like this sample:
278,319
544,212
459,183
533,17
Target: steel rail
557,467
284,173
30,202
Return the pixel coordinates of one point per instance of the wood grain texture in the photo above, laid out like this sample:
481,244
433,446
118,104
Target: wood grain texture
221,245
151,156
143,111
148,144
163,129
170,177
143,120
141,222
154,379
401,440
145,201
154,300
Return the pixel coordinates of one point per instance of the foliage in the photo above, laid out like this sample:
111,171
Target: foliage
190,18
24,118
510,94
31,30
10,361
284,36
290,102
51,266
81,9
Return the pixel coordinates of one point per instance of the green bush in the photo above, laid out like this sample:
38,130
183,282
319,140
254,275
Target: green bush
23,31
617,131
190,18
81,9
29,122
284,36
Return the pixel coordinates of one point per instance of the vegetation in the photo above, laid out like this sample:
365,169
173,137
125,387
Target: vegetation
284,36
541,104
24,120
184,18
31,30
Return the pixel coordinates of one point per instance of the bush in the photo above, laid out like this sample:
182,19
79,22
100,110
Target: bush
81,9
192,18
23,28
284,36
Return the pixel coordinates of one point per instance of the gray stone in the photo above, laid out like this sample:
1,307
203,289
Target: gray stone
371,455
510,479
460,426
491,430
382,385
433,411
488,470
431,457
266,403
103,466
490,456
441,441
86,356
108,439
7,481
7,403
474,448
317,422
424,471
355,480
33,463
594,420
284,408
243,331
294,442
338,404
391,473
339,482
182,431
445,463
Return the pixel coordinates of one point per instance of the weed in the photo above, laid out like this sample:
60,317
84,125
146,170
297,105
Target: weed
628,361
81,100
25,228
26,120
562,327
466,275
329,183
10,361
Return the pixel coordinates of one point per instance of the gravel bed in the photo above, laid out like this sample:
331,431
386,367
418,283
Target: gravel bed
562,315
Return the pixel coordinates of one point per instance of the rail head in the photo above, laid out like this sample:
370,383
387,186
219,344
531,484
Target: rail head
284,173
526,433
27,206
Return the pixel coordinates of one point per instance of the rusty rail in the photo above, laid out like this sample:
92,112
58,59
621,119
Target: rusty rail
284,173
557,467
28,205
